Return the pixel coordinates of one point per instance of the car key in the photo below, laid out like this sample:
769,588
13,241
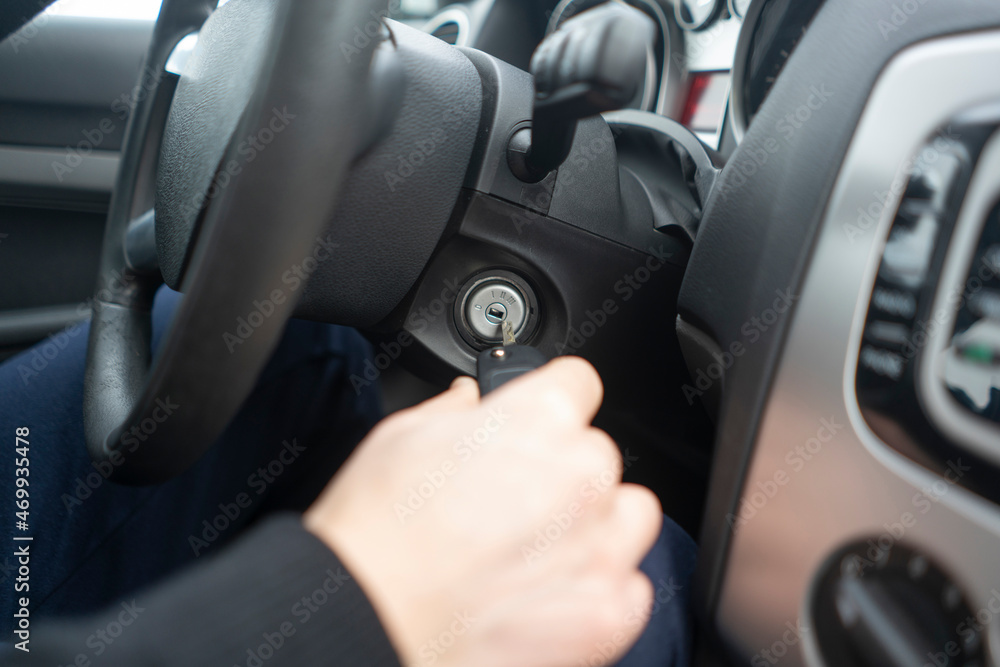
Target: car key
500,365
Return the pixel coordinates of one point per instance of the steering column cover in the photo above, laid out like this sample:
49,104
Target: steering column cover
399,197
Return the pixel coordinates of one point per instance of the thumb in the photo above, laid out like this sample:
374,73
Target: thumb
463,394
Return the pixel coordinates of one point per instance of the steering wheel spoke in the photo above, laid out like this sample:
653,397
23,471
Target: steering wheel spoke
256,226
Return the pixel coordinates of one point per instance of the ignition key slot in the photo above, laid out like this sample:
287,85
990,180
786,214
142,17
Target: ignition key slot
490,299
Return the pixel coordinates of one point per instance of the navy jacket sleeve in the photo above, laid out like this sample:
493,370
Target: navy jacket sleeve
278,597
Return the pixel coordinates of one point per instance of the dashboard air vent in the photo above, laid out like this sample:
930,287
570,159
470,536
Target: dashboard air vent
447,32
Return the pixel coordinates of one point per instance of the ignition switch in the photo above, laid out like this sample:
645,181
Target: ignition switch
489,302
490,305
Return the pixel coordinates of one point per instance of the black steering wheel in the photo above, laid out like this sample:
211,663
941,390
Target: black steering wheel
247,220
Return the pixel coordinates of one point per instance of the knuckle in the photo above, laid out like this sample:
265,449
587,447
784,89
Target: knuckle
643,502
599,452
582,372
557,405
612,614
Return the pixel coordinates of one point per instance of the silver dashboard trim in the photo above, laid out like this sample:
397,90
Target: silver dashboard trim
25,326
712,49
854,486
28,166
671,77
717,9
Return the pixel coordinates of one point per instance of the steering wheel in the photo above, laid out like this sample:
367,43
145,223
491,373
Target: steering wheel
152,419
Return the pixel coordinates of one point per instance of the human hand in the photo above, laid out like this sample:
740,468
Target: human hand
495,532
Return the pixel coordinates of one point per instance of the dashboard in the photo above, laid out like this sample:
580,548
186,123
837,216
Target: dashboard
883,217
712,65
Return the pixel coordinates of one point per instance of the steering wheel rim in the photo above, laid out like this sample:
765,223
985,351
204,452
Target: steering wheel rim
147,421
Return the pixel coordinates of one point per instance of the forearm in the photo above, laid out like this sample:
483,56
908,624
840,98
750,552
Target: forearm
278,597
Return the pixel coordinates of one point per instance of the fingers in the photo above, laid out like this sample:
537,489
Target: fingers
638,518
619,531
567,388
638,594
598,455
633,603
592,466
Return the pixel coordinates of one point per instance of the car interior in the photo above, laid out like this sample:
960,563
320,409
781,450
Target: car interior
773,226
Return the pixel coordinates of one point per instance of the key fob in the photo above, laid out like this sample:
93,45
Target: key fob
500,365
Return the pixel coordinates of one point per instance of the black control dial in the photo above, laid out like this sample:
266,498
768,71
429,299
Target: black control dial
883,604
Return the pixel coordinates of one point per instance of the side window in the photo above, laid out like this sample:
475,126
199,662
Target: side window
141,10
